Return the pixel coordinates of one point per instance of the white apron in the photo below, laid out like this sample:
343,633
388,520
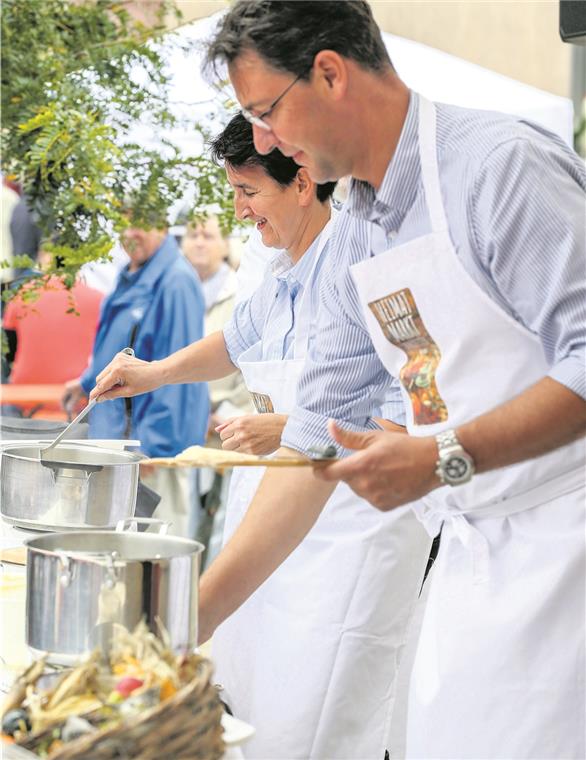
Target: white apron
499,670
310,659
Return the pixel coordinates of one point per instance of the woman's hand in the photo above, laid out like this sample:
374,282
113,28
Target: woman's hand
258,434
127,376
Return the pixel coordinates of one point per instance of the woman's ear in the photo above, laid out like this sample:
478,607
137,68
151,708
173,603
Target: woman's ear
305,187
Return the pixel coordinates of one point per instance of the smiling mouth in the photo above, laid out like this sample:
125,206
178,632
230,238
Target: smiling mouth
261,224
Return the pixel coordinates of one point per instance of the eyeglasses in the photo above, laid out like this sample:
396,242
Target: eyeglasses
259,121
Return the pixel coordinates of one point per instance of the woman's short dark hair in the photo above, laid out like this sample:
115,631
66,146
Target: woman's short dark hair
288,34
235,146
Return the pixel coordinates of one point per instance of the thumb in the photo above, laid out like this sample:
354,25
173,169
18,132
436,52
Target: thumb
349,439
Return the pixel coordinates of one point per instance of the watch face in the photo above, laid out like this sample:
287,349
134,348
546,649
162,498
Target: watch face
456,469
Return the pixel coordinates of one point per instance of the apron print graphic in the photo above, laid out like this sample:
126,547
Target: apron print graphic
401,323
262,403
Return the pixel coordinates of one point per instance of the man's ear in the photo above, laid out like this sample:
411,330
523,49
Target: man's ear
304,186
331,73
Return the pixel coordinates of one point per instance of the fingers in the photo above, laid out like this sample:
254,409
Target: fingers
348,438
223,425
105,383
231,444
227,431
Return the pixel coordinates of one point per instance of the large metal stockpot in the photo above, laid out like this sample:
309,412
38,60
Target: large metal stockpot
83,585
89,487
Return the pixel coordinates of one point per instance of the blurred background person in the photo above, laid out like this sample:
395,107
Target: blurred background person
156,308
19,236
207,248
9,199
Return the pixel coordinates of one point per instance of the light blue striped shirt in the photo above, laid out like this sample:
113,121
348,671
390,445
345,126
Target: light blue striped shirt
516,206
280,291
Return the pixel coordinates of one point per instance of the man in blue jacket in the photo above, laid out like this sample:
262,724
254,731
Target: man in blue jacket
157,307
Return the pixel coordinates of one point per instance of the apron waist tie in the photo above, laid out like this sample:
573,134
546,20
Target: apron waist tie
469,536
433,514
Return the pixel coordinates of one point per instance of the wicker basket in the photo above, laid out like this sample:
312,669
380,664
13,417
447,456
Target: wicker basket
187,726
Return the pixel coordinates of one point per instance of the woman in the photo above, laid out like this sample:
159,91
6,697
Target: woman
310,658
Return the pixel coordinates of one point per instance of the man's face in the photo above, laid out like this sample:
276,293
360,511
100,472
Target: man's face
303,124
140,244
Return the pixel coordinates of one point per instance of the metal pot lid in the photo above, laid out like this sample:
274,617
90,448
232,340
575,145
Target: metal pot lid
75,455
126,546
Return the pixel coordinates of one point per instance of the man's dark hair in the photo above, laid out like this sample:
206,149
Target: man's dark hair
288,34
235,146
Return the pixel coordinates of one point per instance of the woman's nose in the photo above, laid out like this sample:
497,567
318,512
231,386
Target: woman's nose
241,208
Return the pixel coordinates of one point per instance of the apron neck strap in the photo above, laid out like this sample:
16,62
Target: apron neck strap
429,166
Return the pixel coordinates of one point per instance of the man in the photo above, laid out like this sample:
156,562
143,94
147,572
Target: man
477,306
485,332
156,308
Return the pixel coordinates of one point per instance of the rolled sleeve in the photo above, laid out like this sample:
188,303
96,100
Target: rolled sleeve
571,372
529,214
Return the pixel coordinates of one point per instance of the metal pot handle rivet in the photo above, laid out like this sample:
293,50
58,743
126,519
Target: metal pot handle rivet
65,574
113,572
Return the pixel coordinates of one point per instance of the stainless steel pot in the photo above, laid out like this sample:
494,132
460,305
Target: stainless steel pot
90,487
82,586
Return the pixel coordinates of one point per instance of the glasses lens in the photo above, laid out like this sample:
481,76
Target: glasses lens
255,120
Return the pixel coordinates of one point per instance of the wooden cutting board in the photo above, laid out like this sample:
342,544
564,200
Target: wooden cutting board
15,556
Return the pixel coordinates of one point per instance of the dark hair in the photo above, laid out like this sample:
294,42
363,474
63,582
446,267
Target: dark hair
235,146
288,34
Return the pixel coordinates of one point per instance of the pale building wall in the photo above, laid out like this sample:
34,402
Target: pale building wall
518,38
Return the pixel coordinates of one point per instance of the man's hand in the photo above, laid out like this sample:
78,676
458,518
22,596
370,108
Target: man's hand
258,434
127,376
389,469
74,393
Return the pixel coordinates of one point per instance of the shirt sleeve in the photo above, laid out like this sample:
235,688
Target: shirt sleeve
245,327
343,377
393,407
528,214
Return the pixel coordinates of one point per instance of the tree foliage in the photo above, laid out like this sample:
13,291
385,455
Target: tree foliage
76,75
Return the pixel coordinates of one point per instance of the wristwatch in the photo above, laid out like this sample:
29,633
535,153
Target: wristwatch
454,466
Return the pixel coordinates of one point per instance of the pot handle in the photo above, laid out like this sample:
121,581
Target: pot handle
163,525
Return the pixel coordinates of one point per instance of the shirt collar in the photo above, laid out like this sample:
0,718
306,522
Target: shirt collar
297,274
399,186
142,282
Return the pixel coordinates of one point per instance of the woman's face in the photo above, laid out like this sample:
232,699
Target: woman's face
275,209
205,247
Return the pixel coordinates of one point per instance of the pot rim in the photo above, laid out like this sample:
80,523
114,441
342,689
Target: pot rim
104,556
132,457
